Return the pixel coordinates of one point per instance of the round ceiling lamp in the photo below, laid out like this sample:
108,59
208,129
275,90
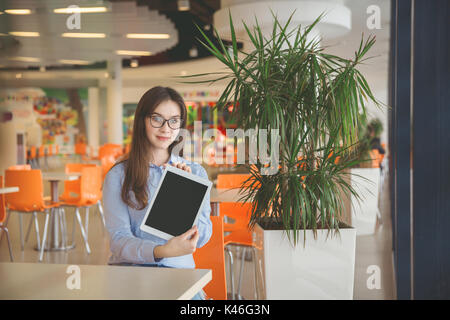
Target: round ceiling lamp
336,21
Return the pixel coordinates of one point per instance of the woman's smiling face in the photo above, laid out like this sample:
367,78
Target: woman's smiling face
163,137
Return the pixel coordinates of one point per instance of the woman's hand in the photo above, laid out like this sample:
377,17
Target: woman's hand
180,165
178,246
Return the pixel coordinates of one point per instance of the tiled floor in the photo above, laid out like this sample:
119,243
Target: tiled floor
370,250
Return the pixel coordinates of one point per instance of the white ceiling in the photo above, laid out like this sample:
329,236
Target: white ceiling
375,70
50,46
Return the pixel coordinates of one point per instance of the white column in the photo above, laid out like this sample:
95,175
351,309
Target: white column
115,106
93,114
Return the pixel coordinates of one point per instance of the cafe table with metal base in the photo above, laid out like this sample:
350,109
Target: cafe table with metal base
57,215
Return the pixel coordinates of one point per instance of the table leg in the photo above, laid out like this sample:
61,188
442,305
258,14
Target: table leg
57,224
54,234
215,209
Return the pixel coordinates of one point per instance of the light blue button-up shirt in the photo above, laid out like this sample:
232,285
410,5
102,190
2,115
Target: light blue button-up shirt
128,243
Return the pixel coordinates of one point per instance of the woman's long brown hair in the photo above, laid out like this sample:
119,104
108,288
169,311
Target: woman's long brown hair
137,161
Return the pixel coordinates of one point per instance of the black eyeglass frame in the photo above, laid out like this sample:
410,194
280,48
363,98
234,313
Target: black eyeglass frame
164,122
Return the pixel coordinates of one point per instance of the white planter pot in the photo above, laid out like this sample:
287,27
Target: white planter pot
366,182
322,269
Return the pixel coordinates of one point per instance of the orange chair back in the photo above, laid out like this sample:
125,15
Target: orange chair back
239,212
225,181
72,188
41,151
2,203
32,152
20,167
110,149
31,191
91,185
107,163
375,156
211,256
80,148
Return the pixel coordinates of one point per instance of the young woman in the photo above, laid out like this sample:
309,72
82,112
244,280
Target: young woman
130,184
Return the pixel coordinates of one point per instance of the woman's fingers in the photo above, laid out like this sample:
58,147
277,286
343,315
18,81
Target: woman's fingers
189,233
182,166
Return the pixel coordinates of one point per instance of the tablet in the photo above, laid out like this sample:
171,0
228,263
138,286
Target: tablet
177,203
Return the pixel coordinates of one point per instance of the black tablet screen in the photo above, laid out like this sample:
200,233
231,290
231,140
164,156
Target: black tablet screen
176,204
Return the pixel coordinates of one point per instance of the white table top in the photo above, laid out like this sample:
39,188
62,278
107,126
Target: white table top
60,176
9,190
225,195
99,282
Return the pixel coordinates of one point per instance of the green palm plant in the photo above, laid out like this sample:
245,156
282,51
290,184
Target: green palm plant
316,101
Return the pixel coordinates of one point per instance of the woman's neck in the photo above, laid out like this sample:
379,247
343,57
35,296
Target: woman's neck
159,156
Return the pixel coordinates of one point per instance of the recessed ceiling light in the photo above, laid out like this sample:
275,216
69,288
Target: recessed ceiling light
25,59
24,33
18,11
42,69
67,61
183,73
18,76
148,36
183,5
83,35
80,10
193,52
134,63
133,53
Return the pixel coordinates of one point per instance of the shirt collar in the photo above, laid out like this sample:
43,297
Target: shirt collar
172,159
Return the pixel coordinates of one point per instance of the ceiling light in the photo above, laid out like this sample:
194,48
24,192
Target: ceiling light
80,10
148,36
133,53
42,69
25,59
66,61
24,33
134,63
106,75
18,11
183,72
183,5
18,76
83,35
193,52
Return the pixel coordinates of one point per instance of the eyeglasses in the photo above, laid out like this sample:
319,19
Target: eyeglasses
158,122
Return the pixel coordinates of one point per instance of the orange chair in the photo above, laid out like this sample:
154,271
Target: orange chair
90,186
110,149
32,157
211,256
375,157
234,180
2,218
107,162
239,233
80,149
29,199
72,191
